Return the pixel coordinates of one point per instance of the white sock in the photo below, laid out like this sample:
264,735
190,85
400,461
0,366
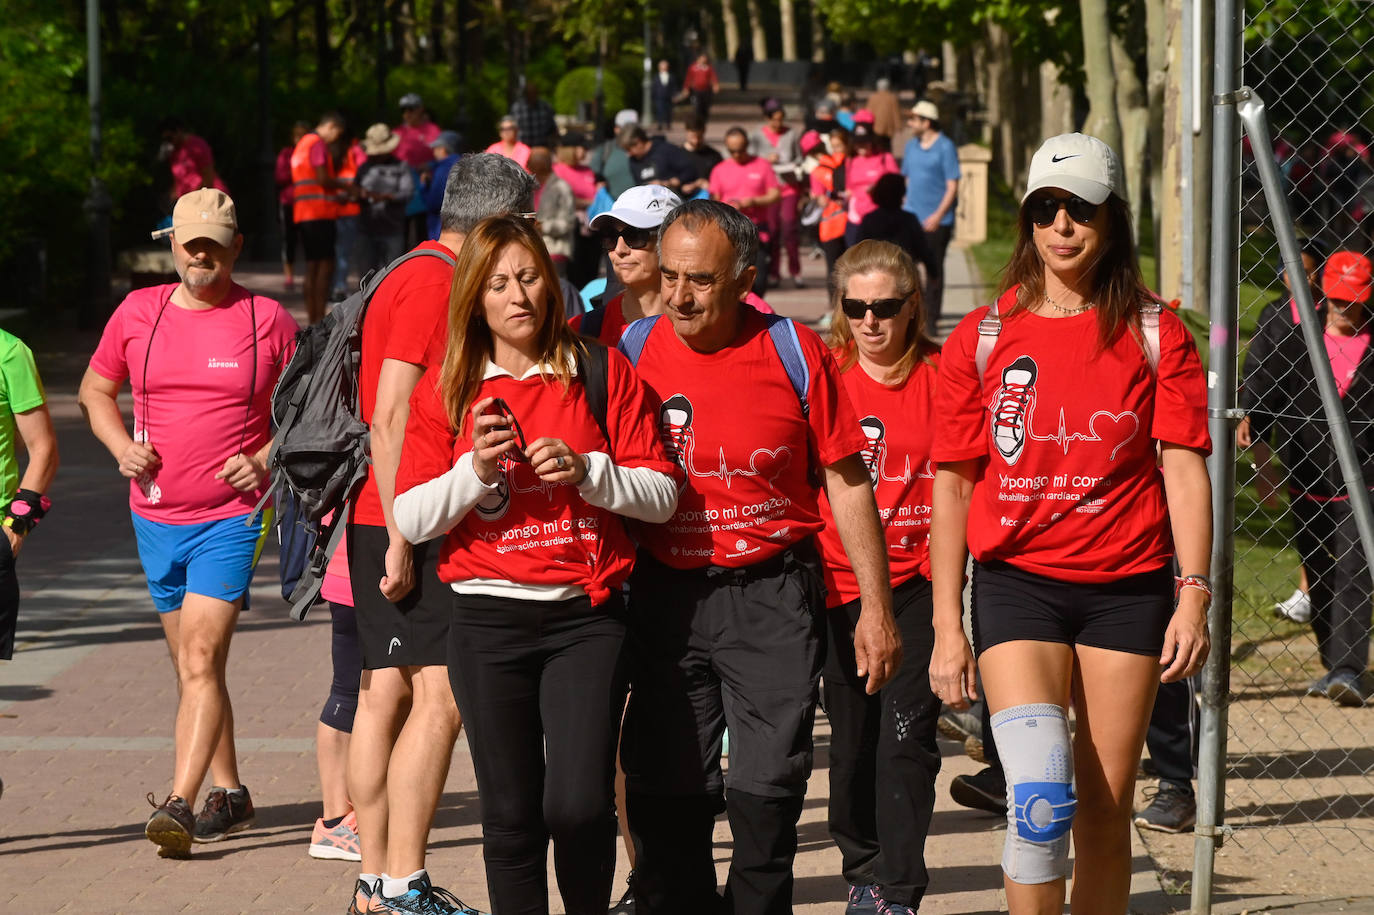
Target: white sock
393,887
371,881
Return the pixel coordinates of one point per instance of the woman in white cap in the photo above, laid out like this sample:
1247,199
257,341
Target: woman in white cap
629,235
1070,440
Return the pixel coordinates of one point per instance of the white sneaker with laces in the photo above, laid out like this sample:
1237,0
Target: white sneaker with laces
1297,607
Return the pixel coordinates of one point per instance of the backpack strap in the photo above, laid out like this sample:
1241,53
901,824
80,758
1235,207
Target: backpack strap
635,336
592,322
988,329
783,332
1149,332
593,369
312,579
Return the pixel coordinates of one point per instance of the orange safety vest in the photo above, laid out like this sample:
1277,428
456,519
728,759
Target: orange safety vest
348,173
312,200
833,216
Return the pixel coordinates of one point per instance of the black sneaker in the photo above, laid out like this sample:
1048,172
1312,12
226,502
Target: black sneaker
626,905
1171,809
1321,684
863,900
985,790
225,812
1348,689
170,827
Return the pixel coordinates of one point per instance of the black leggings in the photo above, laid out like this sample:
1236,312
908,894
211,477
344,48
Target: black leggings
347,656
289,234
540,687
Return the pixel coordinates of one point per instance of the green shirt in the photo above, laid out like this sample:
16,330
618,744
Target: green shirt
21,390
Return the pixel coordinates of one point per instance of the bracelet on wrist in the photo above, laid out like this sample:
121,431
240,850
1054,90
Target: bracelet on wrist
1197,582
25,510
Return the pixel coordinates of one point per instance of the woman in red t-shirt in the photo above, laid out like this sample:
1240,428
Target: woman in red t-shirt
883,745
1070,449
536,552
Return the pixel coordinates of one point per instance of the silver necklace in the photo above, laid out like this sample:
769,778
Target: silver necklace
1068,311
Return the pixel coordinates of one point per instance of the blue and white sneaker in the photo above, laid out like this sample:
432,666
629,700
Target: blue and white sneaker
863,900
424,898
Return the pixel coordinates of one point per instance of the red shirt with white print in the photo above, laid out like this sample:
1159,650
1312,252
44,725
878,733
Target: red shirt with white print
528,531
1065,429
897,424
753,462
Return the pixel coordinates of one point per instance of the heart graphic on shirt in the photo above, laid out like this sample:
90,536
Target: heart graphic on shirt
770,464
1118,428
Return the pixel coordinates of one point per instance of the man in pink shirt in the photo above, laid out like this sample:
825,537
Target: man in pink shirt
210,351
190,159
744,180
416,131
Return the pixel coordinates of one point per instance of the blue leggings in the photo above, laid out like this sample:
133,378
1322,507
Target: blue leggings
347,655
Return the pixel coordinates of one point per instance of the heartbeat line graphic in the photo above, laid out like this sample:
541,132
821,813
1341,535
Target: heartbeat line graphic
780,459
1063,437
540,485
906,475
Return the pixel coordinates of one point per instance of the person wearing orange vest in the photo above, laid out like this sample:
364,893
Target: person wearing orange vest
316,209
350,209
827,187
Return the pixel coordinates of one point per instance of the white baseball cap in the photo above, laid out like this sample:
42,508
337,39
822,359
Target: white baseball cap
644,207
1077,163
625,117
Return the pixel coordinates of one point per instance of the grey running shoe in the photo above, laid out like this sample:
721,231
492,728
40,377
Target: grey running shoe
170,826
1348,689
224,813
985,790
973,749
960,726
1320,685
1171,809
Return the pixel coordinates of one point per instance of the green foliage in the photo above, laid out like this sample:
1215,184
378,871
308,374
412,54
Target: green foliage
579,85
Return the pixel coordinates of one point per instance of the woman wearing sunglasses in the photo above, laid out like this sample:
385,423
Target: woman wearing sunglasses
629,235
1070,446
506,457
883,745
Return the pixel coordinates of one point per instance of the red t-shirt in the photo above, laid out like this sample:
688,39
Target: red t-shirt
612,323
732,182
733,422
1069,485
898,429
406,320
528,531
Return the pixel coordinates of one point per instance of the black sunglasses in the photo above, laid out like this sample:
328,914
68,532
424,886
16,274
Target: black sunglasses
638,239
881,308
1043,209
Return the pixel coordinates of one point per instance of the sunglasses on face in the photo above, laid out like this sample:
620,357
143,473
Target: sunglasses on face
637,239
856,309
1043,210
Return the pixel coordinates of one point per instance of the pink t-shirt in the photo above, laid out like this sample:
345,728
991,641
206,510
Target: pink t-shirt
414,149
337,587
1345,354
731,181
188,163
580,178
861,173
520,154
190,384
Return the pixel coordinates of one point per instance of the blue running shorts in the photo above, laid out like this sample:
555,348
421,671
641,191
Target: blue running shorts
211,558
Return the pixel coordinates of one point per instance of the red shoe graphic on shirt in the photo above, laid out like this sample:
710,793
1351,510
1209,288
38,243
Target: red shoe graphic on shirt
1011,408
874,446
675,431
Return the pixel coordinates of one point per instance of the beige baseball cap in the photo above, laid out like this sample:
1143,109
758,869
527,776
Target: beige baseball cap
1077,163
926,109
206,213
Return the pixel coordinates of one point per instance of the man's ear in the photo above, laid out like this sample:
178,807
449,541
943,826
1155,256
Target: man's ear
746,281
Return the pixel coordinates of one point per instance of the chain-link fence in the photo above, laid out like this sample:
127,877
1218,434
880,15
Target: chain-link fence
1300,746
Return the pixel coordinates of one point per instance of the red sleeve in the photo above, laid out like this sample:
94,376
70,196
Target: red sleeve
417,318
632,419
428,449
960,418
575,322
835,431
110,360
1180,388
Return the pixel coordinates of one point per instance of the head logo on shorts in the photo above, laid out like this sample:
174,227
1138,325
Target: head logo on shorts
874,446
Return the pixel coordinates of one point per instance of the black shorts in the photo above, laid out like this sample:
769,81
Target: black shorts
1129,614
413,632
317,239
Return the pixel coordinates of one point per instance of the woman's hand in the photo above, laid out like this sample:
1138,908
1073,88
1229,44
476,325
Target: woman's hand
1186,642
492,436
953,671
554,461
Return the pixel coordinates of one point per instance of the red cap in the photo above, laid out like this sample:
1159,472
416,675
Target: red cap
1347,276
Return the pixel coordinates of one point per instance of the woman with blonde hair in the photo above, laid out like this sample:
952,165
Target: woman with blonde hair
883,745
1070,460
536,552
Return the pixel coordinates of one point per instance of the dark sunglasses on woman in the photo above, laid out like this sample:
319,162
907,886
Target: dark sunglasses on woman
637,239
881,308
1044,208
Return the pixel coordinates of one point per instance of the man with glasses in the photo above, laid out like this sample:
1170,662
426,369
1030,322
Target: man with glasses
629,235
930,165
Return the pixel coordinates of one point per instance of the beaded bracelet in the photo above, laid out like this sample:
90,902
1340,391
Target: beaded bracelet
1200,582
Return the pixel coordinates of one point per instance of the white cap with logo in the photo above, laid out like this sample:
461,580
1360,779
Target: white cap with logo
1076,163
644,207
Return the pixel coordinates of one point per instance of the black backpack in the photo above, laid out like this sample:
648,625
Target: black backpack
321,450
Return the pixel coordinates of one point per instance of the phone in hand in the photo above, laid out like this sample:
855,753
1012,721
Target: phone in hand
499,407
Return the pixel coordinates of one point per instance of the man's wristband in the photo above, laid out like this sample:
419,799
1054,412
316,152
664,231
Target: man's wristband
25,510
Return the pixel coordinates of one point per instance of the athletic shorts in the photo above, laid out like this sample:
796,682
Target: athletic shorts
1129,614
413,632
317,239
211,558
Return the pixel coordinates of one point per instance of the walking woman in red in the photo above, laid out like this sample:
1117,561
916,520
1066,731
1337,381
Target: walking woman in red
536,552
1070,447
883,745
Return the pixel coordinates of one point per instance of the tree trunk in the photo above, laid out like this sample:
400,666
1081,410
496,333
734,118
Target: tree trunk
1162,29
324,51
1056,101
1103,120
789,29
817,35
756,33
731,23
437,18
404,27
995,52
1133,115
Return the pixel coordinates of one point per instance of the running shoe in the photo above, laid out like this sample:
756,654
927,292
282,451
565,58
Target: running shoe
424,898
1321,684
973,749
363,894
626,905
338,844
893,908
1171,809
863,900
1297,607
170,827
984,790
1011,406
1349,689
960,726
224,813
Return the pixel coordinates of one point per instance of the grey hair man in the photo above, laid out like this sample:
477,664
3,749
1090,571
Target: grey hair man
726,596
407,720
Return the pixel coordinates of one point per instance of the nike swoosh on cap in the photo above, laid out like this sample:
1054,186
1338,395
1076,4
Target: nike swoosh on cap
1062,158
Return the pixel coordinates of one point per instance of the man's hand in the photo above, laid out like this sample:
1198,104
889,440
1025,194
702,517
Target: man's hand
16,542
243,472
400,571
877,648
930,223
138,459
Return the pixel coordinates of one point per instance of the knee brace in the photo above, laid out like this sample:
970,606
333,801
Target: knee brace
1033,742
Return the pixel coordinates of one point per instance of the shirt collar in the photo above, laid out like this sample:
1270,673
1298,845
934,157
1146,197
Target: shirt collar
493,370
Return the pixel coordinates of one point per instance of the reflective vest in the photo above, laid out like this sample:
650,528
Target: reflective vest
312,200
833,215
348,174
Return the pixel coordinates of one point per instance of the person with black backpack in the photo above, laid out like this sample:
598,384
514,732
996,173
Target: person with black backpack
523,452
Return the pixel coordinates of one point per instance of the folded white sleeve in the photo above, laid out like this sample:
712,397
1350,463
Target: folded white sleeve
432,509
641,493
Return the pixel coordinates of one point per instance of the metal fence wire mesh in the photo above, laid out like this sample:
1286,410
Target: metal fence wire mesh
1300,773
